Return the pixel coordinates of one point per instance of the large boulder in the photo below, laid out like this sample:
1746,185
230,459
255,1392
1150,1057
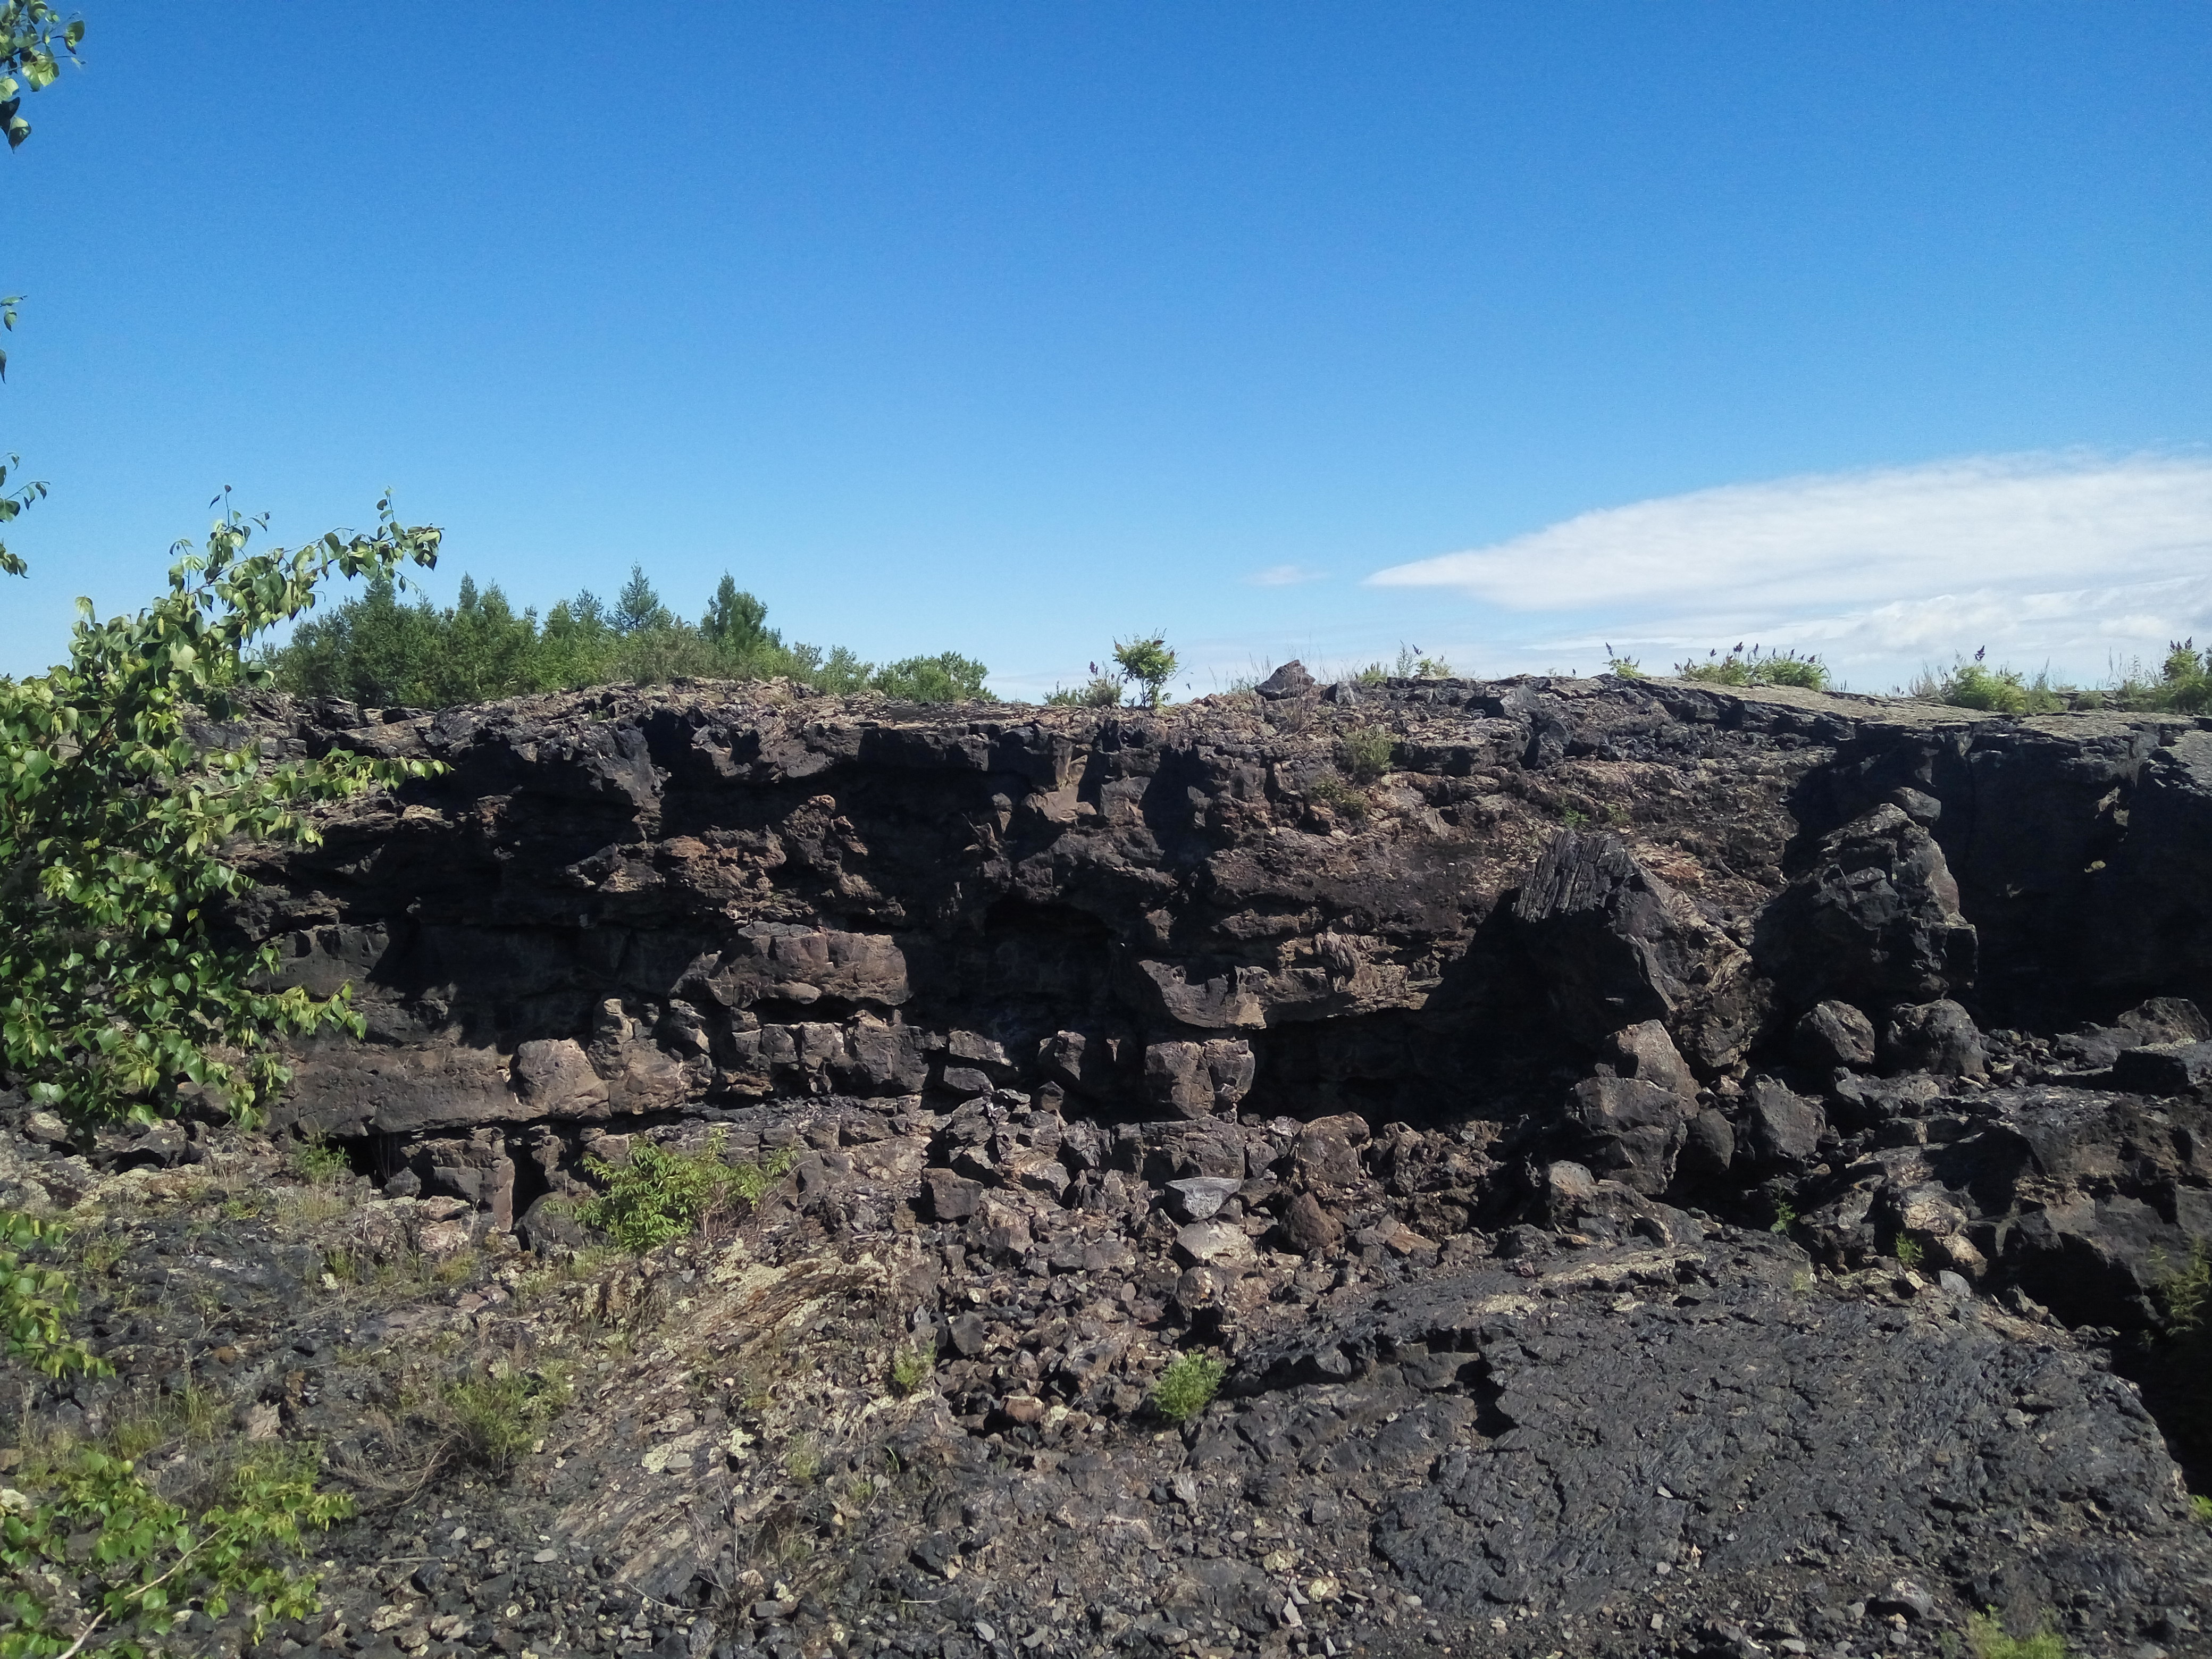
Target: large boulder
1875,920
1630,1130
1938,1038
1617,946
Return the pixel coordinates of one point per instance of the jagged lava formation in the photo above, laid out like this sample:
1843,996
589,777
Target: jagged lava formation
1535,1129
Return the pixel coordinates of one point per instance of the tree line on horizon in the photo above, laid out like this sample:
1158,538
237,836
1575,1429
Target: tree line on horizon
381,651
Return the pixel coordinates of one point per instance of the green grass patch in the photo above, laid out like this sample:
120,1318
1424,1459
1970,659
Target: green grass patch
1986,1638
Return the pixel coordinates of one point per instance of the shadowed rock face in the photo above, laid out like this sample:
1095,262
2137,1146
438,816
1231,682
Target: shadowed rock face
1561,1137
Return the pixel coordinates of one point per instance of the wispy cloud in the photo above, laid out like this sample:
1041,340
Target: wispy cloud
2062,558
1284,575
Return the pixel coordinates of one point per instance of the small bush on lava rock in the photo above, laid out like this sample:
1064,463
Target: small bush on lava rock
1188,1387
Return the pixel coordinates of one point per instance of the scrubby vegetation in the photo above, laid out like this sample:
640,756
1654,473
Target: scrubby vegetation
1412,665
1364,754
1987,1638
380,650
1187,1386
661,1193
1968,683
1755,667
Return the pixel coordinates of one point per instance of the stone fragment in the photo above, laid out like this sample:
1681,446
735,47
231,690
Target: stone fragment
964,1081
2163,1068
1230,1068
1875,920
1617,946
1326,1156
1000,1230
556,1078
1832,1034
1631,1130
1307,1228
1708,1145
1291,680
1937,1037
1213,1244
1647,1054
949,1197
1782,1127
1176,1081
1197,1197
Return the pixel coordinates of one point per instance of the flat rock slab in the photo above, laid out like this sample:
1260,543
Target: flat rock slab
1624,1434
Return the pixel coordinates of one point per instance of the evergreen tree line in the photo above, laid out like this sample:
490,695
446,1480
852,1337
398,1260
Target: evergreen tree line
381,651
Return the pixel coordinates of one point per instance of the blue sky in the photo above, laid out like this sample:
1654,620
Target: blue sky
1879,329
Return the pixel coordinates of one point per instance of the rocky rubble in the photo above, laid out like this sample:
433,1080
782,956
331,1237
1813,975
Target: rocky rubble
1666,1171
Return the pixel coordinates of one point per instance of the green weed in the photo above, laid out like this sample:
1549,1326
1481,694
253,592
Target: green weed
1363,753
2182,1292
1338,796
1986,1638
319,1162
1972,685
496,1417
1771,668
1785,1218
911,1367
1907,1250
661,1193
1187,1386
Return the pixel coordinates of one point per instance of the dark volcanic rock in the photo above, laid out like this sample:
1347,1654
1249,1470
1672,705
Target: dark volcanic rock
1619,947
1875,920
1582,1289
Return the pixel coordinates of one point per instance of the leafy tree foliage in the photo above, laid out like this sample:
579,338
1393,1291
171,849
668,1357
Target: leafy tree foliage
115,812
1147,663
376,650
34,41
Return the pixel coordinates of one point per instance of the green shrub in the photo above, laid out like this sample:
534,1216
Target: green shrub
496,1417
1972,685
1986,1638
2201,1507
1100,692
319,1162
911,1367
150,1563
378,650
661,1194
2183,1291
1907,1250
1771,668
1412,665
1362,754
35,1300
1338,796
1148,664
2183,683
1187,1386
657,1193
946,678
751,1181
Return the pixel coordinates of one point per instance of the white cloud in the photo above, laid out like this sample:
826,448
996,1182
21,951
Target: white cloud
1284,575
2060,559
